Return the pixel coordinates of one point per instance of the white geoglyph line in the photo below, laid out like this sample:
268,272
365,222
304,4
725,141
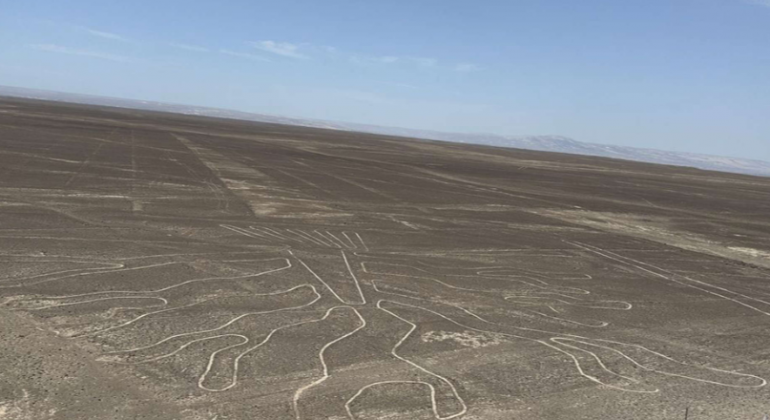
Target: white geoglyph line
264,233
593,305
598,361
258,232
82,166
364,267
474,252
364,187
75,239
299,238
492,271
132,321
300,391
321,238
394,352
252,233
361,391
236,362
352,244
362,241
355,279
109,266
233,320
332,239
295,237
213,355
377,289
763,381
601,324
516,278
288,262
317,277
142,257
576,361
340,241
566,289
560,294
274,231
592,378
316,237
306,236
269,232
287,266
709,285
332,243
185,345
306,182
349,245
242,231
165,302
480,273
672,276
127,323
92,272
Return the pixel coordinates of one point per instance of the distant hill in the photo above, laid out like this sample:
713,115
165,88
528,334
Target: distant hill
543,143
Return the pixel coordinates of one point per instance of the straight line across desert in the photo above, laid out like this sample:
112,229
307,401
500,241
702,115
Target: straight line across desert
159,266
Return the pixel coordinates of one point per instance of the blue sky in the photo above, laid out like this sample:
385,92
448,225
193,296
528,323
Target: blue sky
688,75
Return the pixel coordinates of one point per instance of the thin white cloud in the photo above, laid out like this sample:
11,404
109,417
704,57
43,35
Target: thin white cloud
388,59
765,3
467,67
357,96
400,85
103,34
424,61
188,47
392,59
280,48
244,55
74,51
305,50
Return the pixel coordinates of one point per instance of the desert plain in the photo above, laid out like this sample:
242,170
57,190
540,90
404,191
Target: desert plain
161,266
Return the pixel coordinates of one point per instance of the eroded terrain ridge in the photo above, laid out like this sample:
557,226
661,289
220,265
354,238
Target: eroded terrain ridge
160,266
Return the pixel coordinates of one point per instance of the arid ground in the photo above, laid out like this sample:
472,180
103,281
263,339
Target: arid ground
158,266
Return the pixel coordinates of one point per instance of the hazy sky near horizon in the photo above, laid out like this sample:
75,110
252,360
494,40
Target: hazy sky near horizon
686,75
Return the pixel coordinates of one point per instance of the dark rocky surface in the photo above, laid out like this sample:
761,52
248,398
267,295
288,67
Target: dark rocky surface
545,143
158,266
